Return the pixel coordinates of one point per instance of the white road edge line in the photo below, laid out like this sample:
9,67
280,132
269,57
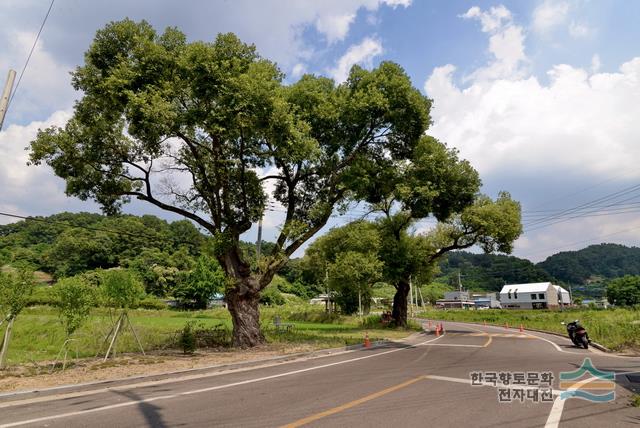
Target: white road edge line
555,345
555,415
212,388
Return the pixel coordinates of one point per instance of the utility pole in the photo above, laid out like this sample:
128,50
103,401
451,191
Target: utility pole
459,283
410,297
259,242
6,95
326,283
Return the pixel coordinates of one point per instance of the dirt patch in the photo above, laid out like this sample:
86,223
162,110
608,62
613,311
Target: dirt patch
40,375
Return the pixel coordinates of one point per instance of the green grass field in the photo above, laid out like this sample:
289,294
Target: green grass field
38,334
617,329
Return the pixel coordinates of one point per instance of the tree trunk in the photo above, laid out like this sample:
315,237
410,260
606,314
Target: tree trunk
245,314
399,313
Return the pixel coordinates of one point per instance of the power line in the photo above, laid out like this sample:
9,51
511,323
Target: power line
35,42
587,207
583,241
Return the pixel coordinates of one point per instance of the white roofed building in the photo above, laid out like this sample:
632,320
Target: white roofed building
538,295
564,297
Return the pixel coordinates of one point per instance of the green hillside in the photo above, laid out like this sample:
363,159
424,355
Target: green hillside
489,272
603,261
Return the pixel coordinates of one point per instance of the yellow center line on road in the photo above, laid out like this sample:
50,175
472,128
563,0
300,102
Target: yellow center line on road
351,404
488,341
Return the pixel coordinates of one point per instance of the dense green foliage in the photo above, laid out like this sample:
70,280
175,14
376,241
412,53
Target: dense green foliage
624,291
200,285
602,260
66,244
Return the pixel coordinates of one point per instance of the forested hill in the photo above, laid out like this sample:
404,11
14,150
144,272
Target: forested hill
488,271
602,260
66,244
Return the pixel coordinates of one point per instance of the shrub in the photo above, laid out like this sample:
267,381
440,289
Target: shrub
188,338
152,302
271,296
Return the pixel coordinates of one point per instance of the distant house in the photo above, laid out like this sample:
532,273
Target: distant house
456,299
602,303
486,300
539,295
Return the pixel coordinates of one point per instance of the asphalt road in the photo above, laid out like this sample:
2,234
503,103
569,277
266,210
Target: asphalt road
423,381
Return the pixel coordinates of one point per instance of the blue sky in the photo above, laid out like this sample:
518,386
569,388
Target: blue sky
540,96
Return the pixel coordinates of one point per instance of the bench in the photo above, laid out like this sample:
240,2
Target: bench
280,326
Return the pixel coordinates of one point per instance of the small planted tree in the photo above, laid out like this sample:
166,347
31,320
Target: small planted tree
75,300
15,289
120,290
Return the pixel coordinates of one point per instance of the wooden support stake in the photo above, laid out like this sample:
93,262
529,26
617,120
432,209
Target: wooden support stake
113,339
135,334
5,344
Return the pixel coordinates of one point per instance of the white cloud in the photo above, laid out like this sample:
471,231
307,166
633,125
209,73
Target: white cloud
549,15
46,84
492,20
586,121
298,70
31,190
579,30
396,3
581,122
506,43
362,54
335,27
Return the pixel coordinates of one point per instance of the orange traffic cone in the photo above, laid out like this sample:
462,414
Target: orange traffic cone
367,342
521,329
437,330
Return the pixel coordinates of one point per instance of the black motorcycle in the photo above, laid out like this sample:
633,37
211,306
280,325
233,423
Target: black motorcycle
578,334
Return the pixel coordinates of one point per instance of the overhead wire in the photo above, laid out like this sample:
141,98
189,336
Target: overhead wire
35,42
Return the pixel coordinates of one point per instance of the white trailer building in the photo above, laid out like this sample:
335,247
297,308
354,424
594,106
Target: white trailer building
539,295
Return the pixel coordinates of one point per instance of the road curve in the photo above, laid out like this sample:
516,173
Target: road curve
422,381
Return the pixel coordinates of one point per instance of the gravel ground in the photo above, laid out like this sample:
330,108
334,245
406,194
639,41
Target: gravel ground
39,375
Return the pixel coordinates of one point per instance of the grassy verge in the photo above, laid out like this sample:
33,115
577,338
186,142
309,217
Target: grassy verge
617,329
38,334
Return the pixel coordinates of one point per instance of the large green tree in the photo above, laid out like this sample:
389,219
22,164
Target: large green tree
491,225
432,182
189,126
